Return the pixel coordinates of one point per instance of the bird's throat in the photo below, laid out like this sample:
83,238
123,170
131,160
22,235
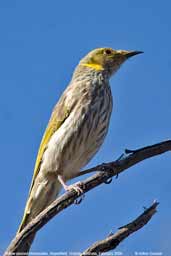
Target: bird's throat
94,66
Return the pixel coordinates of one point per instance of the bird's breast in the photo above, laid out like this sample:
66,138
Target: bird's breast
80,136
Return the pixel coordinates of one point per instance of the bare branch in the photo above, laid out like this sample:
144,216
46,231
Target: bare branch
106,172
132,157
112,241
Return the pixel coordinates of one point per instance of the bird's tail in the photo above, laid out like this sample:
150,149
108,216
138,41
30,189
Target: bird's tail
40,197
24,222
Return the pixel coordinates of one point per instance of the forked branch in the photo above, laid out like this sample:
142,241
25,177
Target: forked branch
106,172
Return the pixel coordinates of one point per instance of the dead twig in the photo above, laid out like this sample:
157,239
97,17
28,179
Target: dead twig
112,241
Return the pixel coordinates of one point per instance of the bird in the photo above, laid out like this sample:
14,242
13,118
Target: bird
76,129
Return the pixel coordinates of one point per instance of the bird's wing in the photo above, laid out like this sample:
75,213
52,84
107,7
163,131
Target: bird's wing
59,115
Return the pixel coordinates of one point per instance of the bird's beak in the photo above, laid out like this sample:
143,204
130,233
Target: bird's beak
129,54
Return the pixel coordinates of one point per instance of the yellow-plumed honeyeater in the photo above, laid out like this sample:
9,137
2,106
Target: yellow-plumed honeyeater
76,130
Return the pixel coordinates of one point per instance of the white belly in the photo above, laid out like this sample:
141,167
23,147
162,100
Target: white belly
73,145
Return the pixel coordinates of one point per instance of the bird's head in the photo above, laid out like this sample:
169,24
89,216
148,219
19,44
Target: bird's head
106,60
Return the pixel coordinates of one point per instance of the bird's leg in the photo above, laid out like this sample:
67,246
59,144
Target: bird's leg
75,187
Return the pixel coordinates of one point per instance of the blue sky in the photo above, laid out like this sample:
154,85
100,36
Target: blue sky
41,43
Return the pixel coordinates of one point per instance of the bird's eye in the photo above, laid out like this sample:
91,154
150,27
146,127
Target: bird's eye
108,52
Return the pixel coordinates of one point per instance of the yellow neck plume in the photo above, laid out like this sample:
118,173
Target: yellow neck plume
93,66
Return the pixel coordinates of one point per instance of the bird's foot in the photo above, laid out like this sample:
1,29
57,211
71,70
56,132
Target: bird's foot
76,187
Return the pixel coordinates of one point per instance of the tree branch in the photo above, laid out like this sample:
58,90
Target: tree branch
112,241
106,172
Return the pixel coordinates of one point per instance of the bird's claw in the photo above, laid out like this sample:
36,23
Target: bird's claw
76,187
79,200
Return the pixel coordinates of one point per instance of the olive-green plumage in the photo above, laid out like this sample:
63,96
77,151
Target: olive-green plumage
76,130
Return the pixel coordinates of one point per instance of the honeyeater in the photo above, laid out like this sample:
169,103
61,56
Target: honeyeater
76,130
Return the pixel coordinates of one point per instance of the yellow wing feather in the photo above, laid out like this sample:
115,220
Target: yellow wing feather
46,137
58,117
